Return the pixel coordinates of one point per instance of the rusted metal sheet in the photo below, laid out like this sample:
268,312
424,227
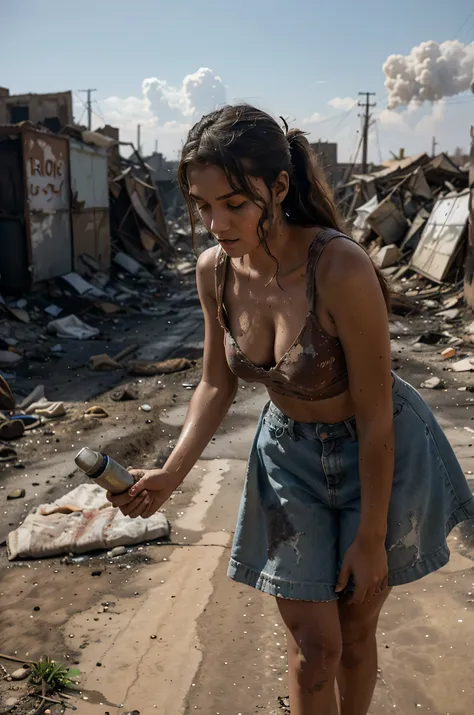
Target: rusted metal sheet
46,171
90,203
442,236
91,230
469,269
50,231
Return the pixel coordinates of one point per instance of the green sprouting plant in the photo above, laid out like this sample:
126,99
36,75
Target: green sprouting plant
56,675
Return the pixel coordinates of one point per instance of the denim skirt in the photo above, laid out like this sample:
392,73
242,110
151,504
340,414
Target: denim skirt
300,508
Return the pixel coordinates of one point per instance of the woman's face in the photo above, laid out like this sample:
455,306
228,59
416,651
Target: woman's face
231,217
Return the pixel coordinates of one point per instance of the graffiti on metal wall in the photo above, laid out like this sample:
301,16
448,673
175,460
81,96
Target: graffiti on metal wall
46,173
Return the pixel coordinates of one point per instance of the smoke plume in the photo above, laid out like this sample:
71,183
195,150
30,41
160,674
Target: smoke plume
430,72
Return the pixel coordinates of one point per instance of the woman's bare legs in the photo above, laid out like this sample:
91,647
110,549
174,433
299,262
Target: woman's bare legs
314,654
357,673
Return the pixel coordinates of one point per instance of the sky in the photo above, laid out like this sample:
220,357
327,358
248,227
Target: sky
163,64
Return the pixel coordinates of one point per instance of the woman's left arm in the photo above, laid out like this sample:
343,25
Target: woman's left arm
355,301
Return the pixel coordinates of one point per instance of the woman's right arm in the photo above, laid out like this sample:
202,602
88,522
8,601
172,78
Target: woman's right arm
208,407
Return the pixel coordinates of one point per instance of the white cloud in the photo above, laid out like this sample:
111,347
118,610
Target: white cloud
430,72
342,102
314,118
164,112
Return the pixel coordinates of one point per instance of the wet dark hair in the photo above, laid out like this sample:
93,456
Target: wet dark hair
246,142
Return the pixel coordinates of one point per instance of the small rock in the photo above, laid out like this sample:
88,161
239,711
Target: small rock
465,365
433,383
11,702
16,494
36,608
47,712
125,394
96,573
146,408
21,673
117,551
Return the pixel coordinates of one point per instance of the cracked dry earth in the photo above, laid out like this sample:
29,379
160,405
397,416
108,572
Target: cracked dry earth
163,630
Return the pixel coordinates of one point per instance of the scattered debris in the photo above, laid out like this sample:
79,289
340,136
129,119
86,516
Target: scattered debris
103,363
465,365
72,327
166,367
124,394
433,383
7,454
448,353
11,429
96,411
117,551
7,401
146,408
16,494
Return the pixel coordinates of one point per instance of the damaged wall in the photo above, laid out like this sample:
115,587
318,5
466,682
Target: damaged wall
47,180
90,203
54,111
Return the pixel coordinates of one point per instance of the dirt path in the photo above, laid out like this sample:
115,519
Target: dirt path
162,630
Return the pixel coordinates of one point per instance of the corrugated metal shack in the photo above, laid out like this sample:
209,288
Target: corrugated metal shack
67,196
90,203
35,226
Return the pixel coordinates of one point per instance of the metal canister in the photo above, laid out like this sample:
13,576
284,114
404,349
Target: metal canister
104,470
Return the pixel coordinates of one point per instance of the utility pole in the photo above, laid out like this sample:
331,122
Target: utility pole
89,106
139,126
365,126
434,144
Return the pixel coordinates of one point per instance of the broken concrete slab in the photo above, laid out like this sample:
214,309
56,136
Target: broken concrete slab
433,383
387,256
466,365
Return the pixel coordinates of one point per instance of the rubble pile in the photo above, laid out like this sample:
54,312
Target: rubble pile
412,217
413,212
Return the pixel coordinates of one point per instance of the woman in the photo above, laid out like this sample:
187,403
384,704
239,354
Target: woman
351,486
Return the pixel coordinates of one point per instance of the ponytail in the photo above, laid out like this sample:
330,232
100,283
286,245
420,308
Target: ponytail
310,201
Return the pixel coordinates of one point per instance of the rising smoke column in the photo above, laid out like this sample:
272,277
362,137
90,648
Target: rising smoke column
430,72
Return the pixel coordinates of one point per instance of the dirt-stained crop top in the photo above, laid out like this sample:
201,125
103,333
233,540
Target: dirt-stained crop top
314,366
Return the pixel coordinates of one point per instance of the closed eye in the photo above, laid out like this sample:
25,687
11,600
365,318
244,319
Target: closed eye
236,208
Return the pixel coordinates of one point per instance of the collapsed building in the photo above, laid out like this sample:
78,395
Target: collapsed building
68,200
413,215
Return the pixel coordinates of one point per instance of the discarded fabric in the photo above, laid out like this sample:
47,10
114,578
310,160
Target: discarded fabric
72,327
79,522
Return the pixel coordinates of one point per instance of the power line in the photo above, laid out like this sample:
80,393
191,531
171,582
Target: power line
464,24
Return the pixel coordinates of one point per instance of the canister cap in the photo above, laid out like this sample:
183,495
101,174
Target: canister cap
88,460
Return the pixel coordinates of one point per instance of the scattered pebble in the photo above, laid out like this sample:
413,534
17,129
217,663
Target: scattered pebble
117,551
17,494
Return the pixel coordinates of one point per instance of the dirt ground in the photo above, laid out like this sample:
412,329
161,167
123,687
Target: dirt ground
162,629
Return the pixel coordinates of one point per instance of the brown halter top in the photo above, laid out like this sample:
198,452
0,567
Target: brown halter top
314,366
